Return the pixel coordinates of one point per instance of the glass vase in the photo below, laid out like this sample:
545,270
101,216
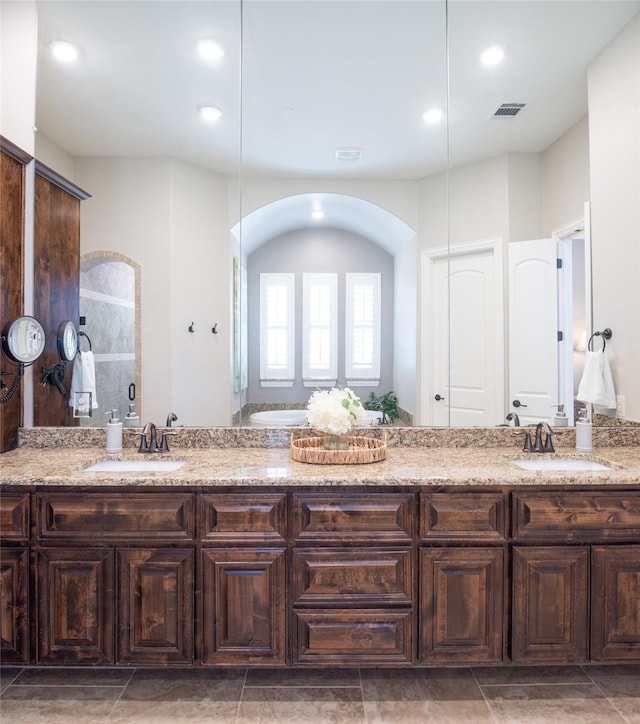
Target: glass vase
336,442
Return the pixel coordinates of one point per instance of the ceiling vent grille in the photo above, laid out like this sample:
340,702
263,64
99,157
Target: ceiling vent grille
348,154
507,110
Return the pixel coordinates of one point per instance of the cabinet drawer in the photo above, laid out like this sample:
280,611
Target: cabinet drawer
238,519
113,516
346,577
577,516
463,516
353,637
353,517
14,516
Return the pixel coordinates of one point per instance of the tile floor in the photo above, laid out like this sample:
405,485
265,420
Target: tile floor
544,695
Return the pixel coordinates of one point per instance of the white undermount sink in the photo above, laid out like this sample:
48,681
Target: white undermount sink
135,466
561,464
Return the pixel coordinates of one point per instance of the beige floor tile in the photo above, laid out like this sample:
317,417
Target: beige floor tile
300,705
73,676
550,703
185,685
205,711
57,705
419,684
445,696
530,675
621,685
303,677
7,675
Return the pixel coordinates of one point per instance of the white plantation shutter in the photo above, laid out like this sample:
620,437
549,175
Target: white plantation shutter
277,319
320,328
362,325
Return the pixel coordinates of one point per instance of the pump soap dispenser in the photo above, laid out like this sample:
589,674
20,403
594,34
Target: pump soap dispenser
114,433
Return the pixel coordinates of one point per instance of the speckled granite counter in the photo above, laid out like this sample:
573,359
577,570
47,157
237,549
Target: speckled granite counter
489,466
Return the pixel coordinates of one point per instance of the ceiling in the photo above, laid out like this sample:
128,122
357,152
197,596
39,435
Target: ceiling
314,75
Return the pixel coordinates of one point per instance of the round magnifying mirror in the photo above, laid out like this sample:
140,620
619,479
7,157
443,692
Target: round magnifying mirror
67,341
23,339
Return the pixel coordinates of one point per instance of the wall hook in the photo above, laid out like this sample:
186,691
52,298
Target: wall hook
214,329
191,329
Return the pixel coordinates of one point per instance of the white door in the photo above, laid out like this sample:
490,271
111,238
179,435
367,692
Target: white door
533,329
466,385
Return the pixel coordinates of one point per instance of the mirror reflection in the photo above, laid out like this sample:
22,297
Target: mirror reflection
433,171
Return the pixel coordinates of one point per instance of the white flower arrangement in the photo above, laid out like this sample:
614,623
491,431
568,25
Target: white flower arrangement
334,411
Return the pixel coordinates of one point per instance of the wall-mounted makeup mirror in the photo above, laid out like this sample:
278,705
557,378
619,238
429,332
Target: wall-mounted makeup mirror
197,204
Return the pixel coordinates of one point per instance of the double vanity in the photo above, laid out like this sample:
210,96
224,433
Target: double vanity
226,552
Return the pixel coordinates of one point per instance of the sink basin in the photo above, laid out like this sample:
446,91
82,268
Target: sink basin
135,466
561,464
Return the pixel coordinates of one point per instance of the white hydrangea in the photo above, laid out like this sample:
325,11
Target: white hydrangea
334,411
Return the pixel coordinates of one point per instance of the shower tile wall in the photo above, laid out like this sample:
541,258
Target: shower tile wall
107,300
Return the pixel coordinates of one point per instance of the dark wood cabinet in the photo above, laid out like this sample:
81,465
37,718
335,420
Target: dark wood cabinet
14,611
615,603
550,604
75,605
155,606
461,605
319,576
243,606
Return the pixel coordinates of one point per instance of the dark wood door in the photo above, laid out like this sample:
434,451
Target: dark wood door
75,605
243,606
14,611
550,604
155,606
615,603
461,605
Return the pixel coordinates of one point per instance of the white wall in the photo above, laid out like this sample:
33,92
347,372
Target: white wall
199,284
50,154
18,46
565,170
614,129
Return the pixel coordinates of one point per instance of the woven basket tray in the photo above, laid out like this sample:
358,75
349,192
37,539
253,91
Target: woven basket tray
361,450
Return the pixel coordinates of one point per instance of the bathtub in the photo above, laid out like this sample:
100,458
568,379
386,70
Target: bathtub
295,418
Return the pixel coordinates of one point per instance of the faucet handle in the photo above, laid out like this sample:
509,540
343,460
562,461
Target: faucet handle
143,442
528,447
164,444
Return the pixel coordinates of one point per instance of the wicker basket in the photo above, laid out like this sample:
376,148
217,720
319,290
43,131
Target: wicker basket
361,450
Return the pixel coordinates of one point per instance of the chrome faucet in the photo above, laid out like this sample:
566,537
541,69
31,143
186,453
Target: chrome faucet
171,417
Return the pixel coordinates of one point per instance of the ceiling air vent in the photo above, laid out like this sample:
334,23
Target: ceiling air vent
507,110
348,154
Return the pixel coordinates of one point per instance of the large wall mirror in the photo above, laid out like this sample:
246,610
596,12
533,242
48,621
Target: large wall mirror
323,142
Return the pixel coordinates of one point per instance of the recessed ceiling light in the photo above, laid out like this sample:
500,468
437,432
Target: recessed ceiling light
209,50
492,55
348,153
209,113
433,115
64,51
317,214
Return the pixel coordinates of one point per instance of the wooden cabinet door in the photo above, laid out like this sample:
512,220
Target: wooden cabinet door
615,603
461,605
155,606
75,605
550,604
14,594
244,612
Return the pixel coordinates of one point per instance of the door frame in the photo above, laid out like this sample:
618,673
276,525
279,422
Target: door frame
428,259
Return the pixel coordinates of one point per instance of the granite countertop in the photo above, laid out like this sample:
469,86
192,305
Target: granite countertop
485,466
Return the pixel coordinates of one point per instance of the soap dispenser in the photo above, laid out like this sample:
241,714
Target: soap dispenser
114,433
583,432
131,418
560,419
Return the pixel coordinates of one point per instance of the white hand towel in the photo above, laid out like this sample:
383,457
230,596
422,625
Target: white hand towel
83,377
596,385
